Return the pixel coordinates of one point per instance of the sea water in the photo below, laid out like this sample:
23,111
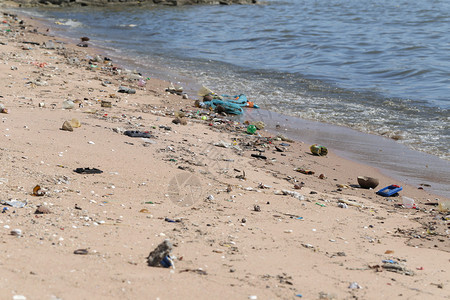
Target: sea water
376,66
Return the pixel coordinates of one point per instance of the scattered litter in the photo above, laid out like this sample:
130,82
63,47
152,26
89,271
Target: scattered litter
251,129
81,252
88,171
172,221
342,205
37,191
15,203
259,156
106,104
408,202
16,232
304,171
66,126
136,133
161,255
125,90
318,150
391,190
351,203
290,193
354,285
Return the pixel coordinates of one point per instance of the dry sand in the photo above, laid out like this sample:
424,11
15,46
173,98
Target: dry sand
295,246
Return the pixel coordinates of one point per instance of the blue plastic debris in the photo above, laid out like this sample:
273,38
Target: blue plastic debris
166,262
389,261
389,190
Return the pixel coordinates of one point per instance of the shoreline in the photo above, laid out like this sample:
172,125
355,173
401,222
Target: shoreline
215,248
405,169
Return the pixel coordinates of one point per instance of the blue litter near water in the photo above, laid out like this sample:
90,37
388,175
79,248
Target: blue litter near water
229,107
299,295
299,218
389,190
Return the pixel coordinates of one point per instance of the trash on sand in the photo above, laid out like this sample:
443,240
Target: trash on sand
172,221
290,193
75,123
298,186
408,202
220,106
105,103
161,255
125,90
284,139
259,156
304,171
444,206
317,149
88,171
136,133
367,182
81,252
240,100
354,285
15,203
395,267
16,232
342,205
251,129
390,190
66,126
351,203
37,191
3,110
178,90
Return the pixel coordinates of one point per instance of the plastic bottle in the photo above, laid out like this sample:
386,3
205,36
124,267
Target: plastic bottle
251,129
141,82
408,202
444,206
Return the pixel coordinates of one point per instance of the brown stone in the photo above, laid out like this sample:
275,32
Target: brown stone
367,182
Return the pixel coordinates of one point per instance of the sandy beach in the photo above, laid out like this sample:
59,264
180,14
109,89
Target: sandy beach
242,226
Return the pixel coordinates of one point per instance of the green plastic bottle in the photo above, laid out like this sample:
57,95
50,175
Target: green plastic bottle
251,129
